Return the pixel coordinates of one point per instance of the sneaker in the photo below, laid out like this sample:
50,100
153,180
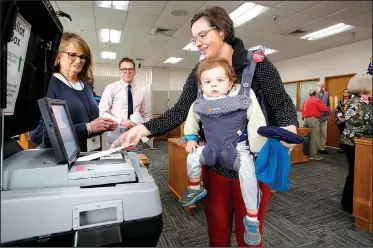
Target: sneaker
252,235
316,157
191,196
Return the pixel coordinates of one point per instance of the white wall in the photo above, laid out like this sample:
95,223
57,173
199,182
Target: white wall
336,61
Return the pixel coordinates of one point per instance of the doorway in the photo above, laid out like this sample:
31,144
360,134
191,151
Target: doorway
335,85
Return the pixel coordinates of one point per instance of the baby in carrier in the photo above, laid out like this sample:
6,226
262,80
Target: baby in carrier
230,115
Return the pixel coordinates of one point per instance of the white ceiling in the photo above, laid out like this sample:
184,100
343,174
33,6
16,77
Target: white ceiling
142,16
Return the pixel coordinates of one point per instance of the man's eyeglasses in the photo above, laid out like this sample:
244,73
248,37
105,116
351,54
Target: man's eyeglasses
129,70
201,36
74,56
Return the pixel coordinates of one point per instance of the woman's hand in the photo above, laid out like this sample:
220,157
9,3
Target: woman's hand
293,129
191,146
132,135
102,124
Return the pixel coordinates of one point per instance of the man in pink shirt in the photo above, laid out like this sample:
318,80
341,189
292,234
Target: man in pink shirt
123,98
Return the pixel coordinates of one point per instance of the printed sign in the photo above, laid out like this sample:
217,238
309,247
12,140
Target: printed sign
17,48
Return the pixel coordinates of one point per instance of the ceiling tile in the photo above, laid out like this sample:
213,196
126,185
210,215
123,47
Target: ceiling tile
139,26
297,6
348,3
229,6
364,21
268,3
346,14
289,24
193,4
157,38
147,7
170,22
266,19
364,5
116,21
324,9
170,7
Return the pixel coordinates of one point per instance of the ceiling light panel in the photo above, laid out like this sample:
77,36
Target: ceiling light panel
329,31
172,60
109,35
121,5
108,55
190,47
246,12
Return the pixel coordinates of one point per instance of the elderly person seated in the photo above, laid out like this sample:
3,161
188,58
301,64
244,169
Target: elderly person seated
358,119
72,73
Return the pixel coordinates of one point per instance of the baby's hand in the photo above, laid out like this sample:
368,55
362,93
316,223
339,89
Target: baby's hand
191,146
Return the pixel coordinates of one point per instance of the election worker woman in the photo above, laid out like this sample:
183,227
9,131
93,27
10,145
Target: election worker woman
72,72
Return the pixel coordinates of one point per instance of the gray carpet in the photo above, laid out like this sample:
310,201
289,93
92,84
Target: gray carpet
308,215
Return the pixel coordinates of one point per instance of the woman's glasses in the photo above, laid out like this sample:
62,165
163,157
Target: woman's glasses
201,36
74,56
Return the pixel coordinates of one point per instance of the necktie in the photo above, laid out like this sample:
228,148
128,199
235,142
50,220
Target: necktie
130,102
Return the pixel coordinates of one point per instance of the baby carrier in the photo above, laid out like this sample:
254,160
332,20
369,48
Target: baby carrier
224,121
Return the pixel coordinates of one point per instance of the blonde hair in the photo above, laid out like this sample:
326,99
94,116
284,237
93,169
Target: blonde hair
85,74
209,64
360,84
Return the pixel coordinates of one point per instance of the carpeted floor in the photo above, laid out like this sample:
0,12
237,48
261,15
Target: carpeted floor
308,215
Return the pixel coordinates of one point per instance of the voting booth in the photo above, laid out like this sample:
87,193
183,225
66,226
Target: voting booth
61,196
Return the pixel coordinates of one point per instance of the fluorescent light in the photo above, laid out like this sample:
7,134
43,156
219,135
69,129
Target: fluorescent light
246,12
106,35
121,5
108,55
335,29
191,47
172,60
267,51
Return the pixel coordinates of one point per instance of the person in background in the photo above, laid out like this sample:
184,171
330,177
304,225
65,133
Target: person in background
312,110
340,111
325,116
123,98
358,119
72,72
214,35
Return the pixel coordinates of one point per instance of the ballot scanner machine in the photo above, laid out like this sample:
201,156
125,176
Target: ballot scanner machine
61,196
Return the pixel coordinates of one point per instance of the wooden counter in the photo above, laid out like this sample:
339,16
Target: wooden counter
297,156
177,169
362,208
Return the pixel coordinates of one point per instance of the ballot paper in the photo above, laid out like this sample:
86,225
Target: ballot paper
102,154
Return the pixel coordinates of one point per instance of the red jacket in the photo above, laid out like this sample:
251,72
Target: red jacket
312,107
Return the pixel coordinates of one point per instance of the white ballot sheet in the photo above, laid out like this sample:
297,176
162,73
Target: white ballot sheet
102,154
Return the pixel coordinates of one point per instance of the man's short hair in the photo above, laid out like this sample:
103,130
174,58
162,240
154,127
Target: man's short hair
125,59
312,92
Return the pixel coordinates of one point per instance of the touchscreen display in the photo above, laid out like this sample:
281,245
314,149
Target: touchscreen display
66,130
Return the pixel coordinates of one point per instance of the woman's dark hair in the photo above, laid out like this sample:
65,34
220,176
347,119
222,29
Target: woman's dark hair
217,17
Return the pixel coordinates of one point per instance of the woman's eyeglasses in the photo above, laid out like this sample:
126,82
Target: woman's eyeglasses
74,56
201,36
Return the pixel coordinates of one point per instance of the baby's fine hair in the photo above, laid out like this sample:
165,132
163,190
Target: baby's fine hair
209,64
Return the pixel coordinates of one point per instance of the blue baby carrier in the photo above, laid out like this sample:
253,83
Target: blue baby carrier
224,121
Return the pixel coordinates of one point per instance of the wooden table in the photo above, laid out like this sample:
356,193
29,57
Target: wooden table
177,169
362,205
144,159
297,156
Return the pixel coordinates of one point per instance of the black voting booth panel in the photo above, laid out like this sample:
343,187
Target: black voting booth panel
46,33
45,28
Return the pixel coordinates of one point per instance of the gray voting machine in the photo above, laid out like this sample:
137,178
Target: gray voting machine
48,191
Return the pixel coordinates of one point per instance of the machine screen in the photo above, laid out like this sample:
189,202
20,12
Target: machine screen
66,130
